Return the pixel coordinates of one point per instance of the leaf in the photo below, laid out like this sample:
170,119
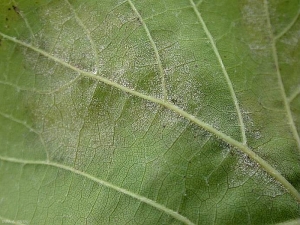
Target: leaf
149,112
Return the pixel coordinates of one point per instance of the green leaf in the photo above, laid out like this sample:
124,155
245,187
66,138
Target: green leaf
149,112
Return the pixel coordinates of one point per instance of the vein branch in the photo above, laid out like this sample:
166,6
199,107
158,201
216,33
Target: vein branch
232,92
24,18
279,77
49,92
294,94
288,27
87,33
160,67
148,201
10,117
241,146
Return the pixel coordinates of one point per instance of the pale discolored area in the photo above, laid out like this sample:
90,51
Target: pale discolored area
75,150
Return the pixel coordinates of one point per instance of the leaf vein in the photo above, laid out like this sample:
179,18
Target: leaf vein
88,34
279,77
288,27
294,94
265,165
229,83
141,198
161,70
24,18
58,89
10,117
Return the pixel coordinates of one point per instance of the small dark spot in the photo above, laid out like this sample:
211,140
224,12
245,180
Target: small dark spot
16,9
9,8
164,126
174,100
196,66
138,20
6,19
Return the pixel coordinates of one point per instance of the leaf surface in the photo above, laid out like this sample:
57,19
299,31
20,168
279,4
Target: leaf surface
149,112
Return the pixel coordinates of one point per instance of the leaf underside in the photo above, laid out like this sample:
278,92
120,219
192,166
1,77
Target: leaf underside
149,112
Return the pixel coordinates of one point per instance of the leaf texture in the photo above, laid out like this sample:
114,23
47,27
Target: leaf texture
149,112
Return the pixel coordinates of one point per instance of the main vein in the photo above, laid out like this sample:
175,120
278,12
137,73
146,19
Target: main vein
148,201
280,82
232,92
160,67
265,165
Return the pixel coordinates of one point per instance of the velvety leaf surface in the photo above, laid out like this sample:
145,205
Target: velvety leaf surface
149,112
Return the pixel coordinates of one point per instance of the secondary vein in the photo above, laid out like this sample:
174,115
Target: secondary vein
280,82
294,94
88,34
24,18
31,129
161,70
288,27
148,201
231,89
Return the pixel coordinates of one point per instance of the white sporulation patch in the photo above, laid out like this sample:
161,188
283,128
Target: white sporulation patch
247,170
252,129
254,20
